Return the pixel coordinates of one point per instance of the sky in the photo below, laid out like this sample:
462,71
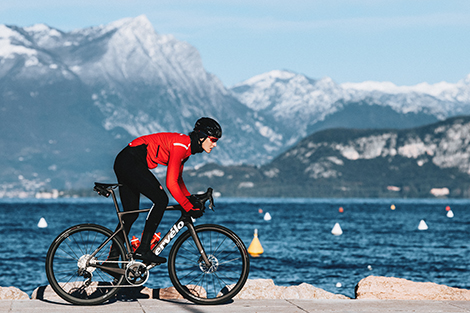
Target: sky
405,42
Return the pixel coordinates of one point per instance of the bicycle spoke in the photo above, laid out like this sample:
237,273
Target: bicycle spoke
194,253
217,281
70,267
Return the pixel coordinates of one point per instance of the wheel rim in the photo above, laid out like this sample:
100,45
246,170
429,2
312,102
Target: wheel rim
75,277
215,281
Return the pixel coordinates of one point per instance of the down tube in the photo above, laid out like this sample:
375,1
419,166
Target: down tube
174,230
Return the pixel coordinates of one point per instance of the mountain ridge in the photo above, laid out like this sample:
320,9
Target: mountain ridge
71,100
423,162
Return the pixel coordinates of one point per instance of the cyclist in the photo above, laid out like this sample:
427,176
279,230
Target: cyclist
132,168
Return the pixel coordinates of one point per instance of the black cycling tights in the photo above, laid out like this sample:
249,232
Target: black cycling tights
131,170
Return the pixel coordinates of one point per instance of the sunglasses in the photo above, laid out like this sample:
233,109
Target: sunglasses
213,139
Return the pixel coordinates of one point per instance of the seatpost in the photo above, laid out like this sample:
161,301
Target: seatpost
113,194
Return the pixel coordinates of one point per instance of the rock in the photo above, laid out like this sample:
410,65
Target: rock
12,293
266,289
391,288
171,292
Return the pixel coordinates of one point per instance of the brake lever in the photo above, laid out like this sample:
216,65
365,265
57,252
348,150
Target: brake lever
211,199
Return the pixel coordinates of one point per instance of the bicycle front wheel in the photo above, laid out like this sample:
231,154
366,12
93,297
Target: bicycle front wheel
73,265
213,283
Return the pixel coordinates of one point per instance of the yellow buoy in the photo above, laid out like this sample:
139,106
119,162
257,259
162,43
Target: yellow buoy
255,249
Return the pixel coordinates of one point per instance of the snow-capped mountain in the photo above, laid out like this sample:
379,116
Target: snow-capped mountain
299,104
71,100
134,76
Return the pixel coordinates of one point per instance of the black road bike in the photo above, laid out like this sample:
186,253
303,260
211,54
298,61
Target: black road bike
207,264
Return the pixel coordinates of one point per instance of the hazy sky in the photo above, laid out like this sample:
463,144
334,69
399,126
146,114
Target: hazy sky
405,42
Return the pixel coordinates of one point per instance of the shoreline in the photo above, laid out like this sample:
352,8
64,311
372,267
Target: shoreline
369,288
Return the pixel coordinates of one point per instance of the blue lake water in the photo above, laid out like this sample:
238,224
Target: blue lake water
297,241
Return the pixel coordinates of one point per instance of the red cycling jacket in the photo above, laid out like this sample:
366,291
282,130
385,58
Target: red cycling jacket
171,150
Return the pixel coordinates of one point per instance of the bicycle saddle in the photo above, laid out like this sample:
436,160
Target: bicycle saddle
103,189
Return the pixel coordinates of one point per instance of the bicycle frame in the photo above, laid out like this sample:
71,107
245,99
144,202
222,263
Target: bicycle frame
184,220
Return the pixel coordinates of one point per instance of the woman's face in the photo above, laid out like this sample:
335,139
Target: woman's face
209,143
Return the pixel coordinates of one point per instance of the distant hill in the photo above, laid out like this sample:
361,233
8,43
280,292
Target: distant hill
428,161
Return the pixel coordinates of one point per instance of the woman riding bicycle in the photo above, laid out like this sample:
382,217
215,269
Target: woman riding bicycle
132,168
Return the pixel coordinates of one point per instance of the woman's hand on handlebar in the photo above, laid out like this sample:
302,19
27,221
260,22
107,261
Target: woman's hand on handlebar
198,201
198,207
195,213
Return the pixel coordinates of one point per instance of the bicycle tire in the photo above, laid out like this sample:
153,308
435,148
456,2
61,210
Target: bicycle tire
66,270
223,280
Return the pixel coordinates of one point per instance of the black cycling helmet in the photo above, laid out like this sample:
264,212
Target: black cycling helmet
208,126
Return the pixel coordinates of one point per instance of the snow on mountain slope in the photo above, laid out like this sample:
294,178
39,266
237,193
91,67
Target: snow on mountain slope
299,102
289,100
14,43
286,93
449,99
443,90
141,82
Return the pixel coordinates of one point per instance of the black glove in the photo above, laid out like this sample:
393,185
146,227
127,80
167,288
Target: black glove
193,199
196,211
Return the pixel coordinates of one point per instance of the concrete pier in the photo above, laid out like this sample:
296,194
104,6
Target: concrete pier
239,306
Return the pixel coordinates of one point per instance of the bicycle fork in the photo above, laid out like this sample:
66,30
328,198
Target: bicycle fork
199,246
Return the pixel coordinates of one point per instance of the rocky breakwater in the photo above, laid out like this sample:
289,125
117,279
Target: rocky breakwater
391,288
372,287
266,289
253,289
12,293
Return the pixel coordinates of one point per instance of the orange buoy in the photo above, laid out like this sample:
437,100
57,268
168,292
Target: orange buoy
260,211
447,208
255,249
341,210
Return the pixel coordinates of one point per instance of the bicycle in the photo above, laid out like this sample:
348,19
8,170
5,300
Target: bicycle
207,264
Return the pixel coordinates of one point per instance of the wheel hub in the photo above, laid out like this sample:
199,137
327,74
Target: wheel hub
82,263
214,264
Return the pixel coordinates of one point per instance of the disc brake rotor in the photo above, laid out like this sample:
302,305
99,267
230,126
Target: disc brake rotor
213,266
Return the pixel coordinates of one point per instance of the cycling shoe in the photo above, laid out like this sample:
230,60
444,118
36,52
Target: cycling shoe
148,256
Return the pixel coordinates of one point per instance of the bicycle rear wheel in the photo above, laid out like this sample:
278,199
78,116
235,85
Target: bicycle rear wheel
214,284
74,274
